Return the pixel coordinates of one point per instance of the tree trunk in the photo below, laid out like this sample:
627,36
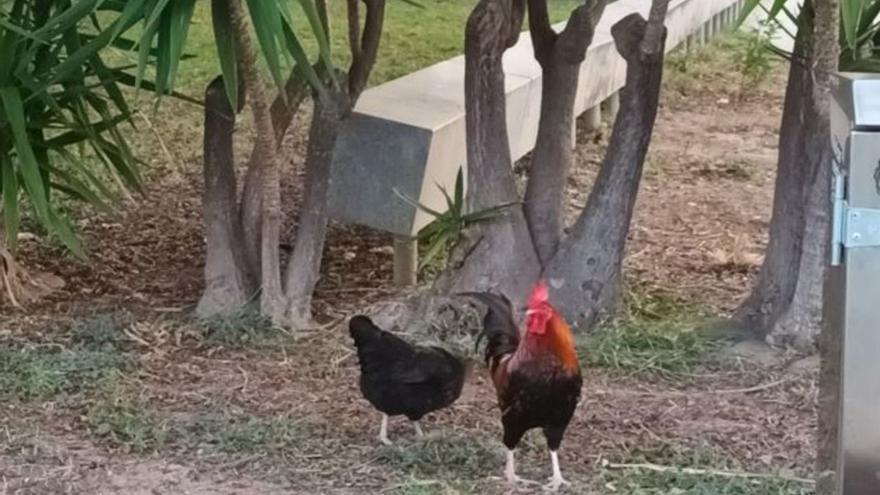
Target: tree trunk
266,159
304,266
560,56
829,340
802,322
492,27
779,272
228,285
331,109
282,111
585,275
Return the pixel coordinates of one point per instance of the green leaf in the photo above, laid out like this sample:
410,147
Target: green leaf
303,66
62,227
173,30
268,24
435,247
10,200
850,15
226,52
450,204
30,169
311,12
151,26
459,187
416,204
747,9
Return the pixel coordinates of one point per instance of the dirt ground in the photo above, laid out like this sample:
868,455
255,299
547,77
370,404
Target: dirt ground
698,234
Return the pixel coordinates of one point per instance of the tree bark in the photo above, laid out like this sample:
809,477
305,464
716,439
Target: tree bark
501,258
228,286
266,159
779,272
331,110
304,266
560,57
363,61
282,111
802,322
585,274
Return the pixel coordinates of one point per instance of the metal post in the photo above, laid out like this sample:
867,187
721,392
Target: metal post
850,394
406,261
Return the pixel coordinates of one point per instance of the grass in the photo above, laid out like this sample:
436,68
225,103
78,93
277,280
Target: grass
713,65
704,480
248,434
131,427
123,424
412,38
452,456
244,329
99,332
655,333
40,372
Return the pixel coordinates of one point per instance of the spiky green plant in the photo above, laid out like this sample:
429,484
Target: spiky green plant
444,232
859,29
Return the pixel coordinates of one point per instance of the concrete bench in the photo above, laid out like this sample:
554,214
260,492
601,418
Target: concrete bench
409,134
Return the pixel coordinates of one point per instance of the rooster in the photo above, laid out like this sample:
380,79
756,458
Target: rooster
399,378
535,372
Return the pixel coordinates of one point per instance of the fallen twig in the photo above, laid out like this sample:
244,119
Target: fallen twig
706,472
756,388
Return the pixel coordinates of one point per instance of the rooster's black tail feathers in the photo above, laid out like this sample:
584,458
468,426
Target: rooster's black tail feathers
499,328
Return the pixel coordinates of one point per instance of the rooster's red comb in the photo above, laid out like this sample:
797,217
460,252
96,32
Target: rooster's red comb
540,294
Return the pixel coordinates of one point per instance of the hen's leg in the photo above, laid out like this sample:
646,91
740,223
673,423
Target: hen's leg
383,431
419,431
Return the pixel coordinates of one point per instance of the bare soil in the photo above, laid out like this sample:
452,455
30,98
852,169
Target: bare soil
698,234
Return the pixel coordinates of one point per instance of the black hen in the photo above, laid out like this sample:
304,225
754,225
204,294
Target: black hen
399,378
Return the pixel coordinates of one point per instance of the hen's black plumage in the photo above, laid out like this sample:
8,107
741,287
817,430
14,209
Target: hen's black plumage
400,378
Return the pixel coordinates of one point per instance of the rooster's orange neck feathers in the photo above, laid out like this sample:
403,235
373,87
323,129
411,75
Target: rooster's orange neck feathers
558,340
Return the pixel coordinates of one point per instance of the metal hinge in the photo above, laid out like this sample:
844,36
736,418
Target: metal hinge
850,227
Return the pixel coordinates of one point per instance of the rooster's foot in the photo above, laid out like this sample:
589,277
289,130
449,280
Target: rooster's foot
556,482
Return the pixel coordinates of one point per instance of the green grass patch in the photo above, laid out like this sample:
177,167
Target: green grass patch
710,66
654,334
415,486
131,427
128,426
99,332
701,471
40,372
413,38
244,329
452,456
248,434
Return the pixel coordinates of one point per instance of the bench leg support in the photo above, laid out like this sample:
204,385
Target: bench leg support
406,261
612,106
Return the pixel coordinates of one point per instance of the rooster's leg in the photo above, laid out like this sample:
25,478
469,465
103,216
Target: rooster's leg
510,468
419,431
510,471
383,431
556,481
